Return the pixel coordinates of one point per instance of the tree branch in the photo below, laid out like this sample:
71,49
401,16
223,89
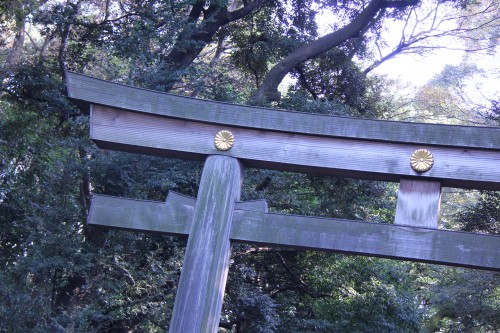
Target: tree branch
303,81
268,90
412,43
199,35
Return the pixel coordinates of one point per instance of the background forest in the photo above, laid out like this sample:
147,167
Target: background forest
59,275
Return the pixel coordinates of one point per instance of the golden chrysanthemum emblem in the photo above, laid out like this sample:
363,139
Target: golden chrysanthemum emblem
421,160
224,140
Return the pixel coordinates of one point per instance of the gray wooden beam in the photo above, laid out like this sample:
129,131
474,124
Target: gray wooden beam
171,217
252,224
86,90
174,216
198,302
371,239
389,161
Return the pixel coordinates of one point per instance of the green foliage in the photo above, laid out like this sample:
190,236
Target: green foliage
335,78
455,76
494,112
246,306
482,216
260,41
319,292
464,301
450,97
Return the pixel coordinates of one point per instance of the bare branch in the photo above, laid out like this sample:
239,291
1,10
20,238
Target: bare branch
466,25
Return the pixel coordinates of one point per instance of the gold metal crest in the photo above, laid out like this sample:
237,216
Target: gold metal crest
224,140
421,160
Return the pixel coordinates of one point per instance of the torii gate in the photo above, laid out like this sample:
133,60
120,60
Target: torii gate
421,157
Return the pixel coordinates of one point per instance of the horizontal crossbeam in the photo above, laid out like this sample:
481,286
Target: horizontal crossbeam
87,90
117,129
252,224
147,122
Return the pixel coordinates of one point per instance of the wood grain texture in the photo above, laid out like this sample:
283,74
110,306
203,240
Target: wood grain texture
371,239
200,292
251,224
171,217
174,216
86,90
143,133
418,203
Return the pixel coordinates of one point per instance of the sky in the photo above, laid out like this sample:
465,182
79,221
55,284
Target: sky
415,69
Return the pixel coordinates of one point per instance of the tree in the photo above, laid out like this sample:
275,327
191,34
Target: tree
71,277
463,300
268,90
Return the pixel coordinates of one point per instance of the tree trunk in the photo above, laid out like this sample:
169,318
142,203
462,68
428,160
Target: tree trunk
214,17
15,53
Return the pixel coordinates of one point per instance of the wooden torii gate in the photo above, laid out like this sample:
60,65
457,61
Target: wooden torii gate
421,157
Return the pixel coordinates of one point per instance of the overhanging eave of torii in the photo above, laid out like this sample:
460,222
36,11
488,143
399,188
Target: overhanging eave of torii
421,157
144,121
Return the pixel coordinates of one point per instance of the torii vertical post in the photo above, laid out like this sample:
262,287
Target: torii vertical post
418,203
198,302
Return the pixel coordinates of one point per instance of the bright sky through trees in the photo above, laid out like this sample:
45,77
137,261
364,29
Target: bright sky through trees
418,69
436,35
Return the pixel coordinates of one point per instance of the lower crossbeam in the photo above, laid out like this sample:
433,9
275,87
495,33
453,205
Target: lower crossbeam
252,224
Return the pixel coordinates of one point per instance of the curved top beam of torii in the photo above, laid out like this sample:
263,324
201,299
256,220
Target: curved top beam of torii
148,122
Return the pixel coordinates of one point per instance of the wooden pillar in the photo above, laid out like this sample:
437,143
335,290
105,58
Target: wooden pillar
418,203
198,302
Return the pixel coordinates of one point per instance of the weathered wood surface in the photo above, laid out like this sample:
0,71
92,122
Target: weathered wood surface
372,239
87,90
252,224
174,216
143,133
418,203
200,292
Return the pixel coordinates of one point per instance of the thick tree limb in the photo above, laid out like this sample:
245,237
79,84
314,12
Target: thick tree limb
198,35
268,90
